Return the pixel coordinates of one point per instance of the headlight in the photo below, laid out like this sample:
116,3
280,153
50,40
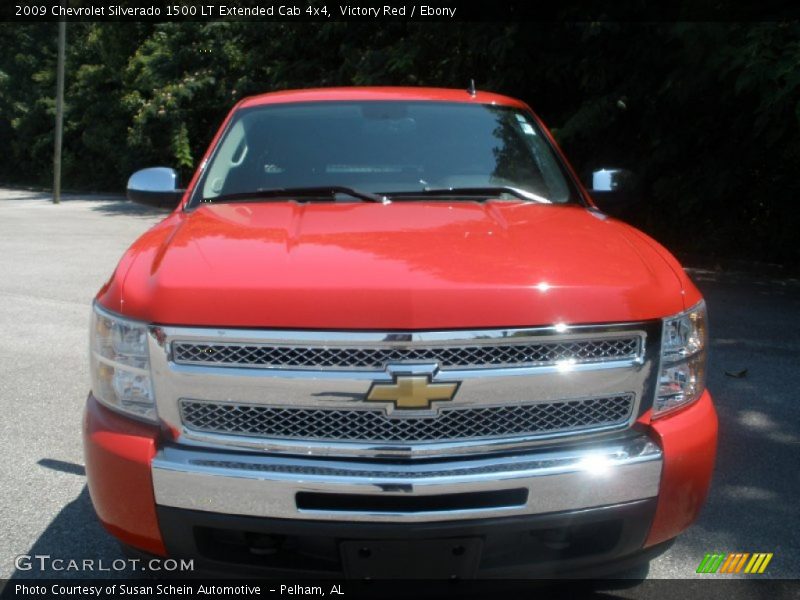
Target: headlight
120,365
683,360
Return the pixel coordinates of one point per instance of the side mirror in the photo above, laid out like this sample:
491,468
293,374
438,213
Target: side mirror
156,186
613,190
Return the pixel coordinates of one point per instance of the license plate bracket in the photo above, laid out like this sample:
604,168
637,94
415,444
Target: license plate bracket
445,558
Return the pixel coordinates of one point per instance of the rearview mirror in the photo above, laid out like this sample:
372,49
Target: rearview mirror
613,190
156,186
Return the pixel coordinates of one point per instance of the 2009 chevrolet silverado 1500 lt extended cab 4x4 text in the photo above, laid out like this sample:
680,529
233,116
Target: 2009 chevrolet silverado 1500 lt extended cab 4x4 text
387,332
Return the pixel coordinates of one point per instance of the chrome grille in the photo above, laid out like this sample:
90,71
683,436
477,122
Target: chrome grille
477,356
348,425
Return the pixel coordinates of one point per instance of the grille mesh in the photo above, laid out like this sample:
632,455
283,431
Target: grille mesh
376,358
375,426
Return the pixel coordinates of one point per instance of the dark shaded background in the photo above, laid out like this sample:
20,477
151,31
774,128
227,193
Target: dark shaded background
706,113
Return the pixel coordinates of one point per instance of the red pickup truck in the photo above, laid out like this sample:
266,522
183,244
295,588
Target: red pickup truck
387,332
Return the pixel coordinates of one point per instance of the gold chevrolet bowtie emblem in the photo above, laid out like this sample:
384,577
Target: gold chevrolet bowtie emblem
411,392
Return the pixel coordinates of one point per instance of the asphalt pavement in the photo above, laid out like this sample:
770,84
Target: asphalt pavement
53,259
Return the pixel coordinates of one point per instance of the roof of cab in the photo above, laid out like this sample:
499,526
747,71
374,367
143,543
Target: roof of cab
340,94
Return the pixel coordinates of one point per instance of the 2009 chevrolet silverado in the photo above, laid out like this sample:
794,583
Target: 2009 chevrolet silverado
387,332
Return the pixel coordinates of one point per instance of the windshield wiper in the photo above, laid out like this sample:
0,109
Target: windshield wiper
327,193
485,192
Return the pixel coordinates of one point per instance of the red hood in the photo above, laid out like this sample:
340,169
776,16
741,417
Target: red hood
432,265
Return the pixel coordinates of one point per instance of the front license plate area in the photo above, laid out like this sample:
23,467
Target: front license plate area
416,559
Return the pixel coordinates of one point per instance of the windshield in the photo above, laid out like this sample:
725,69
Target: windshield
384,148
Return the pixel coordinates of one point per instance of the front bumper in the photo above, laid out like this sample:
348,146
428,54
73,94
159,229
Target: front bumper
585,543
334,490
662,472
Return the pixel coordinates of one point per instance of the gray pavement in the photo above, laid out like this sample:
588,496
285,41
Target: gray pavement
53,259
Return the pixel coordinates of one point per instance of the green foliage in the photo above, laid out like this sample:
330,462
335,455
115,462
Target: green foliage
707,114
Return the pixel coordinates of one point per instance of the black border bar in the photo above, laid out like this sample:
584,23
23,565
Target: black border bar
416,11
687,589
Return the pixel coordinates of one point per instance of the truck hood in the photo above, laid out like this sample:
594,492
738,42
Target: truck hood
420,265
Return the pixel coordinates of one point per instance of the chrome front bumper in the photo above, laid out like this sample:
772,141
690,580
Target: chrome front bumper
543,481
